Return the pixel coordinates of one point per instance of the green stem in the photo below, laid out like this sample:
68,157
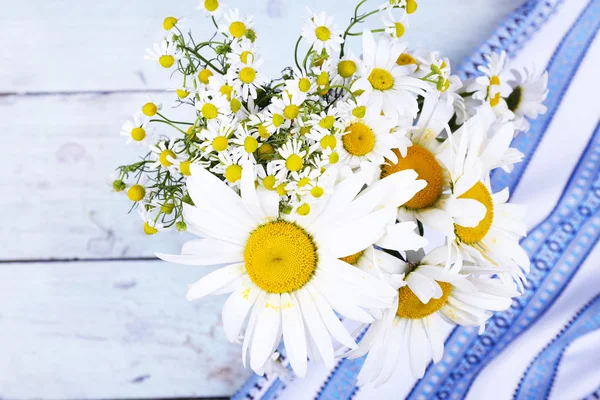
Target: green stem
296,54
194,52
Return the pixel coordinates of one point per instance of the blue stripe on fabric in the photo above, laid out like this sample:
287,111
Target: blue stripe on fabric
562,68
539,377
557,248
595,395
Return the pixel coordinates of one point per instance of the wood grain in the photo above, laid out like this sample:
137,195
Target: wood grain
111,330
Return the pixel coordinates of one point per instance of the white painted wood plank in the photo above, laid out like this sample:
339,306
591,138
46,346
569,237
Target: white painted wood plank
56,196
111,330
81,45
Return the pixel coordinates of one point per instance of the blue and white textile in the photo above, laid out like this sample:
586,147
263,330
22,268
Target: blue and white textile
547,345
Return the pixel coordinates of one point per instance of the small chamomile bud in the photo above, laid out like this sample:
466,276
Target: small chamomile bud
118,185
181,226
250,34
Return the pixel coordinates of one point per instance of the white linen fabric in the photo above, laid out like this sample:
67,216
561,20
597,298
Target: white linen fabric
548,344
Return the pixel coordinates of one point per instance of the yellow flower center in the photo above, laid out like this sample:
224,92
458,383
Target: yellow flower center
494,101
182,94
411,6
277,120
204,75
334,158
294,163
138,134
304,209
269,182
149,230
399,27
167,208
410,307
163,158
328,141
237,29
220,143
265,152
211,5
317,192
169,23
291,111
263,132
346,68
250,144
323,79
280,257
209,111
303,182
166,61
359,112
226,91
381,79
184,167
304,85
246,57
149,109
494,80
406,59
281,189
136,193
235,105
247,75
323,33
426,166
327,122
473,235
304,130
359,139
233,173
353,259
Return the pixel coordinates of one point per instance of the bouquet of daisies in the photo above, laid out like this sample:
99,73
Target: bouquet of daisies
316,189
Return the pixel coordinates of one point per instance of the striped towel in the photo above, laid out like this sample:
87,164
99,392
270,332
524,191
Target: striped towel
547,345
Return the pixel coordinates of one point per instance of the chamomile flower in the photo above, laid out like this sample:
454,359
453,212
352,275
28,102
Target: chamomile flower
243,52
216,136
211,8
272,176
152,225
247,143
166,153
284,274
320,32
166,53
344,70
390,4
236,25
135,129
230,167
212,105
526,100
247,79
301,182
222,84
292,155
173,25
150,108
289,104
395,26
368,139
430,296
384,84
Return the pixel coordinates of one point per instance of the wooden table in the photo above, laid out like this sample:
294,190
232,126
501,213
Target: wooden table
86,312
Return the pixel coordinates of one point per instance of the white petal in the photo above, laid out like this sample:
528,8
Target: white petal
206,252
265,334
316,327
249,196
466,212
215,280
402,237
293,333
340,302
418,348
432,325
357,277
258,308
236,309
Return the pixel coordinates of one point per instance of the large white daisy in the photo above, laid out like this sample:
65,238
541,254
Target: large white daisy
528,94
429,296
284,271
385,84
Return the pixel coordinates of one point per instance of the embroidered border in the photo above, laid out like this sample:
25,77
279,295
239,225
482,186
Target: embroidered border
540,375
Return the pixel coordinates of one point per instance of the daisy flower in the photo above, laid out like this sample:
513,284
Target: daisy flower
429,296
320,33
236,25
344,70
135,129
211,8
243,52
288,104
216,135
272,176
395,26
284,273
150,109
212,105
151,223
230,167
384,83
166,153
166,53
173,25
368,139
292,155
526,100
222,84
302,83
